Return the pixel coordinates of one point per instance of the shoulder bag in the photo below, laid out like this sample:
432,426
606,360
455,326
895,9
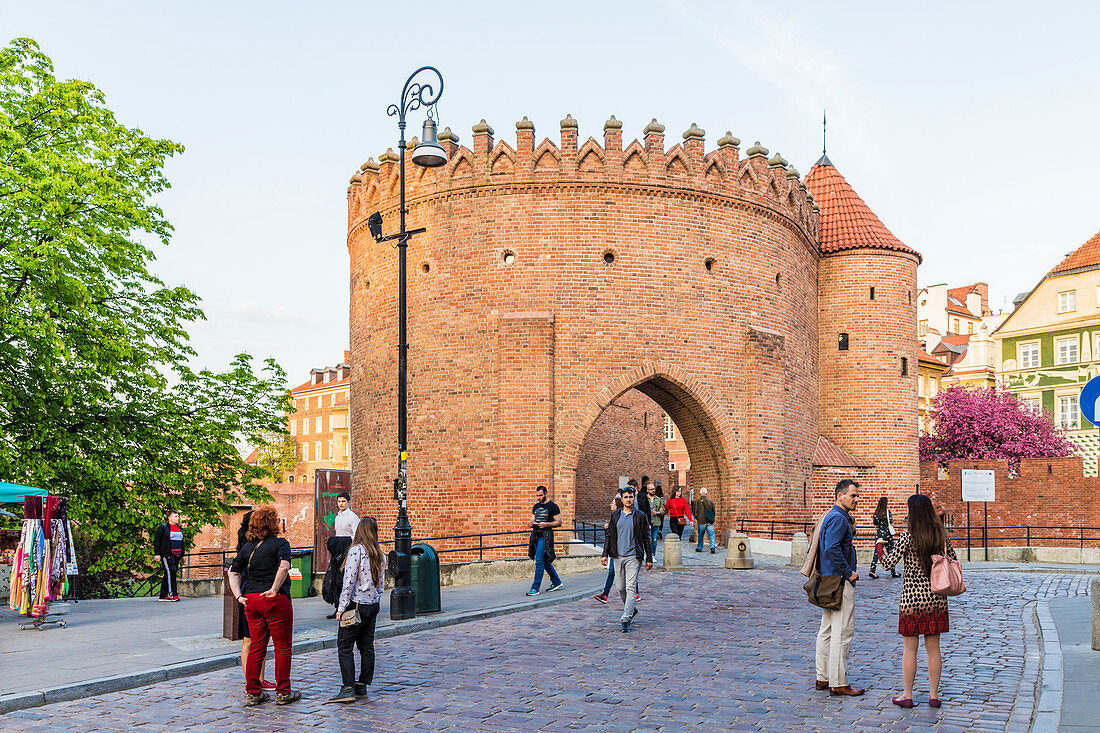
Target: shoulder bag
824,591
946,575
350,617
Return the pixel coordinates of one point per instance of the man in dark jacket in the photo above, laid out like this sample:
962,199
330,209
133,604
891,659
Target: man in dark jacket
627,544
168,551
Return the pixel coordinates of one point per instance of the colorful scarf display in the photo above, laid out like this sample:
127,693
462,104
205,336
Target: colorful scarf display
43,559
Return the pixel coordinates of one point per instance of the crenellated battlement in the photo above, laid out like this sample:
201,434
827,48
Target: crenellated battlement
684,169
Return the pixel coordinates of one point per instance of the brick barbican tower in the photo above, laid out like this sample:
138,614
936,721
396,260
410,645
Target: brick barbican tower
557,277
867,281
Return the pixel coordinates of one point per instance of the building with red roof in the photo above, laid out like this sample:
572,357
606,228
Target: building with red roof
1049,346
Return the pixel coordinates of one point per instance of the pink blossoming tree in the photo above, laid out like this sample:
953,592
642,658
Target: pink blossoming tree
975,422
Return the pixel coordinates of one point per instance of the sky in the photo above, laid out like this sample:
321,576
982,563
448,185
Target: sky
969,128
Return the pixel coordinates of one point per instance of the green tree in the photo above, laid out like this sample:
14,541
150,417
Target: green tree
277,455
97,400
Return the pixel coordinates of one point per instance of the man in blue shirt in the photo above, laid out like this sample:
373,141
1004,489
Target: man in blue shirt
838,557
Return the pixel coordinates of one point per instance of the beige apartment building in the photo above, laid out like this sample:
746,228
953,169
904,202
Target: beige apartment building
319,426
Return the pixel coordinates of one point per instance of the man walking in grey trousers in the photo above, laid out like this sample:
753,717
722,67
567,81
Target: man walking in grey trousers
627,543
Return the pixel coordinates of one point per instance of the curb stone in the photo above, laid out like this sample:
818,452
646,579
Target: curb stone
63,693
1048,709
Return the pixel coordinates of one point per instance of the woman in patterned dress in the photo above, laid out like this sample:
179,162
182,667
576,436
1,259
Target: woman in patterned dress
922,612
884,535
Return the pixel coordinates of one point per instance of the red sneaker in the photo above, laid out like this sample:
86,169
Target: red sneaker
601,598
267,685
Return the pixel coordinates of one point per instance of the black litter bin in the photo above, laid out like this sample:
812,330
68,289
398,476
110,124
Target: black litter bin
425,578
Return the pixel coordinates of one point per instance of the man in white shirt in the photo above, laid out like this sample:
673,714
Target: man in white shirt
346,520
344,526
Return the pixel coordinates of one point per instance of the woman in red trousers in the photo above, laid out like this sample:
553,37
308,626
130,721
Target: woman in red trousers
266,600
678,512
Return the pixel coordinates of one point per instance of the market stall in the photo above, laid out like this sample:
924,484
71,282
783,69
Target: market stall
44,555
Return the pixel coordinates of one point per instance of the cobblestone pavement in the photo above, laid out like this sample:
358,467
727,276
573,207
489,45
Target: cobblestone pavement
711,650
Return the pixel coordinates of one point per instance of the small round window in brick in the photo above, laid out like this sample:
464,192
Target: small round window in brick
508,257
425,267
608,256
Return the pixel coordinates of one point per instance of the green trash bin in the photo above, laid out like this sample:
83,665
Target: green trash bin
425,578
302,561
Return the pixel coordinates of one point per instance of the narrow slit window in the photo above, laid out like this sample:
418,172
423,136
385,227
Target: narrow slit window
904,366
872,292
842,342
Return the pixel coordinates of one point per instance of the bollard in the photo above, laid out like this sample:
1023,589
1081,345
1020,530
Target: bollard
738,552
800,545
1096,614
673,559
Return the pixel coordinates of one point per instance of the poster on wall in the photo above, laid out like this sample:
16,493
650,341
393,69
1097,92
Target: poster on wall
327,484
978,485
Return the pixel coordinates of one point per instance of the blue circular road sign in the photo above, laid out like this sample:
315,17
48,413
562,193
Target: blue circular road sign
1090,401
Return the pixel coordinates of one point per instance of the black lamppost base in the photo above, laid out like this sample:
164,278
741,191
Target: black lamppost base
402,604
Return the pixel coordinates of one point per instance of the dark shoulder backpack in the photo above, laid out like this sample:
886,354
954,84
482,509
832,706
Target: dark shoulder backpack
334,580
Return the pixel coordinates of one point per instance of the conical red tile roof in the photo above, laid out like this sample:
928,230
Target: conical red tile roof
846,221
1087,255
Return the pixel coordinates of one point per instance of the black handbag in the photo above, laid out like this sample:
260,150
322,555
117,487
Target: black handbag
824,591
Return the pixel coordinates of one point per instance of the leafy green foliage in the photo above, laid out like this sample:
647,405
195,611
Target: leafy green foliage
97,401
277,455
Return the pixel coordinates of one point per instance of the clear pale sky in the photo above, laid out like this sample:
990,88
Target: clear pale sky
969,128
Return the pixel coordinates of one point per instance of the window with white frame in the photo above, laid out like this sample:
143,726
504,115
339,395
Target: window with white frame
293,427
670,428
330,450
970,326
1066,350
332,403
922,327
305,451
1067,412
1032,403
1067,301
317,425
305,426
955,322
1029,354
318,401
671,466
317,451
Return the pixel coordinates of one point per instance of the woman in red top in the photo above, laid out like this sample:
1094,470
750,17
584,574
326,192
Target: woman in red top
675,508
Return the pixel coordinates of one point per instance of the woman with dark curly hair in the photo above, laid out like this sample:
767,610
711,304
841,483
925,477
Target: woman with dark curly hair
266,600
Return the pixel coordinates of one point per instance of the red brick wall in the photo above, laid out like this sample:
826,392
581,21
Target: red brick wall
628,439
511,365
867,407
1048,492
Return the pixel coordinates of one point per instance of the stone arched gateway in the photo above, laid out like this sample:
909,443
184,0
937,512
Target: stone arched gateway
704,430
552,278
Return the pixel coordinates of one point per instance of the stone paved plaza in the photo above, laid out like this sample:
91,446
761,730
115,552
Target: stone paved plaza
711,650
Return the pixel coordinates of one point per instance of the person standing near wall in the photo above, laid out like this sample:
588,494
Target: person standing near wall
659,510
703,509
343,525
168,549
656,507
545,515
678,511
884,536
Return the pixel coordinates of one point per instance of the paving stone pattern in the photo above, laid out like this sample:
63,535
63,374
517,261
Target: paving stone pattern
711,650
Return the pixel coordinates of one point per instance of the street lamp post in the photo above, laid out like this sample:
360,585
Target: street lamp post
428,154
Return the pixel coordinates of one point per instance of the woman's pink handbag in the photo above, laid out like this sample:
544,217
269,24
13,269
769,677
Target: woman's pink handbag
947,575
